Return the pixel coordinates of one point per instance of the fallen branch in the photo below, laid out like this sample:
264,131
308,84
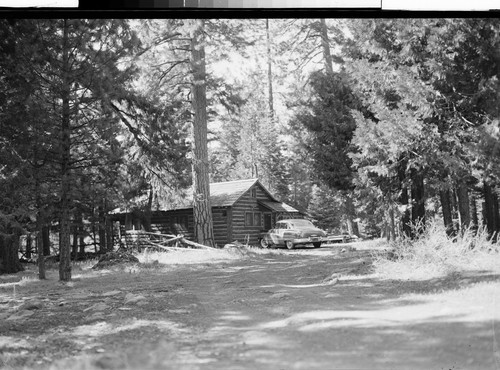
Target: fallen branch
132,232
166,248
197,245
159,246
173,239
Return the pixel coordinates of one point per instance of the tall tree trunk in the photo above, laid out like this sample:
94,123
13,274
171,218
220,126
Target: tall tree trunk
444,196
463,206
77,219
102,227
418,202
490,210
28,246
350,213
109,233
455,215
404,199
269,73
40,219
74,242
202,210
9,253
325,43
147,214
473,212
391,227
40,246
79,233
46,239
81,238
64,235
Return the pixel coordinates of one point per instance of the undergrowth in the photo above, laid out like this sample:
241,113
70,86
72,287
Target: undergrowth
188,256
434,254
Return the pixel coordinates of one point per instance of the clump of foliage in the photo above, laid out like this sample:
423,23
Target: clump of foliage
434,254
115,258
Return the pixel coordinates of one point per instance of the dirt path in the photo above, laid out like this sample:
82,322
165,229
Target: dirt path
304,309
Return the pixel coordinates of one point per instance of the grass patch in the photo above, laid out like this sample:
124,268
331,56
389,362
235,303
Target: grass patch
189,256
434,254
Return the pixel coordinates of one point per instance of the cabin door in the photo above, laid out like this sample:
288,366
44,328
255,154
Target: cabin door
268,221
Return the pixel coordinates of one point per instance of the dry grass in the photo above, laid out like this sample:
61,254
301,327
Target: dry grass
434,254
189,256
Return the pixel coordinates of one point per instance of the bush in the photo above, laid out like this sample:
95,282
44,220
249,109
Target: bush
434,254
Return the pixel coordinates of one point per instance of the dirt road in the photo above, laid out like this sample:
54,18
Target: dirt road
301,309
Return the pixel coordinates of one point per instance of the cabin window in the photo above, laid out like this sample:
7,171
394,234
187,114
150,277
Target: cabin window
249,219
253,219
256,219
181,221
254,193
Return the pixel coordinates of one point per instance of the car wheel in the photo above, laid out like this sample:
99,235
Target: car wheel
317,245
264,243
289,244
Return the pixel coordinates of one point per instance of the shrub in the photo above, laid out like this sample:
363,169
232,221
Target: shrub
434,254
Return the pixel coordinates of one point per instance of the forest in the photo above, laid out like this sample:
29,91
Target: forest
371,126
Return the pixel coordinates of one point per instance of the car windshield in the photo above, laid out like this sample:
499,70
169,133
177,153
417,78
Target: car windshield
302,223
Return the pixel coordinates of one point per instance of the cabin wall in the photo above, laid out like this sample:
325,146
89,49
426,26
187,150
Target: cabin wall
244,231
220,218
174,222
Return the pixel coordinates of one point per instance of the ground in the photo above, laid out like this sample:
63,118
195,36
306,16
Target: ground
249,309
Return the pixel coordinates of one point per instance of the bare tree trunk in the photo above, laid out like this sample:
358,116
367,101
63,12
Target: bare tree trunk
79,234
490,209
40,235
473,211
269,73
404,199
391,226
202,210
9,253
81,241
455,215
46,239
28,246
40,219
64,236
444,196
39,244
74,246
102,227
418,201
109,233
350,214
147,213
325,42
463,206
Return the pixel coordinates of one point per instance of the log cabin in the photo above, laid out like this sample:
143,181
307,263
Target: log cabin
242,210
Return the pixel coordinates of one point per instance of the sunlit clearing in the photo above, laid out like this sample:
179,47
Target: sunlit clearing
103,328
189,256
477,303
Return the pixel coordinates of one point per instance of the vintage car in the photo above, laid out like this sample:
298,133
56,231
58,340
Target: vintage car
290,233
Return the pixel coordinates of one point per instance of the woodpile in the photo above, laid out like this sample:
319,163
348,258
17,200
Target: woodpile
138,239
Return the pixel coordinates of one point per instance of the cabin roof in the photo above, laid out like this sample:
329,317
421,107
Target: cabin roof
225,194
278,207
